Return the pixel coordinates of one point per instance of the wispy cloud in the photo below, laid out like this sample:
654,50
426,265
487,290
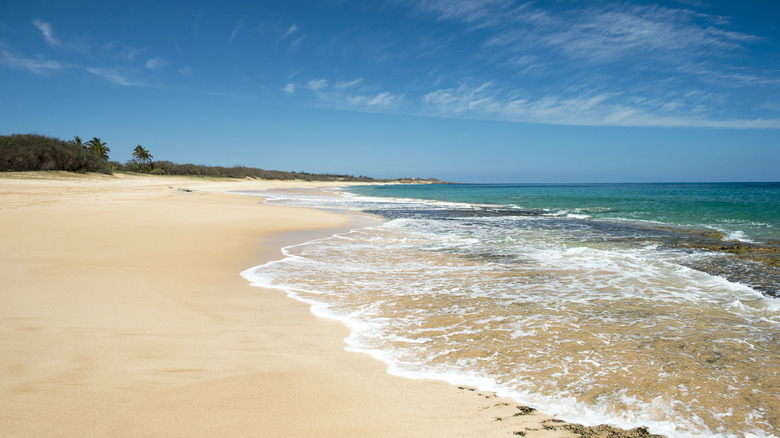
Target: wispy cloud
115,65
317,84
487,101
579,63
47,30
374,101
117,76
39,65
48,33
475,12
343,85
576,107
229,94
155,64
34,65
596,34
616,64
635,39
351,95
129,53
236,30
295,42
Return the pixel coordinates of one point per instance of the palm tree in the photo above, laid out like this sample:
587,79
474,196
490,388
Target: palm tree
142,154
98,148
77,141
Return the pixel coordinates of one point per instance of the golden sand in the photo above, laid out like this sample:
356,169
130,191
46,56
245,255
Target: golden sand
122,313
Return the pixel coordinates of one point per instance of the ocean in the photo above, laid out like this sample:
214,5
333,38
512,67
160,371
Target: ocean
629,304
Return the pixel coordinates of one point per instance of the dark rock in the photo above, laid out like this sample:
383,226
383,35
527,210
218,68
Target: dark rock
605,431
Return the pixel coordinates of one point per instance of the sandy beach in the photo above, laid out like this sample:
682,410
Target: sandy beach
123,313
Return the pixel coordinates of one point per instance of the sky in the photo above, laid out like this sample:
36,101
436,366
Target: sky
461,90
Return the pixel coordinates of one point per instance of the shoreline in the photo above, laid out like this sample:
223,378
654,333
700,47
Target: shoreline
123,313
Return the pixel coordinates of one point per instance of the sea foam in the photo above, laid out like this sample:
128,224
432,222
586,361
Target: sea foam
554,312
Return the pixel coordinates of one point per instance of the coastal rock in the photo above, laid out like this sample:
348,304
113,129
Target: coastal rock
756,264
605,431
578,430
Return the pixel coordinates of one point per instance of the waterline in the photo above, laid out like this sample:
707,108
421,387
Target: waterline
559,315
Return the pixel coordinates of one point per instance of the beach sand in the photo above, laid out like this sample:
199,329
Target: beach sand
123,313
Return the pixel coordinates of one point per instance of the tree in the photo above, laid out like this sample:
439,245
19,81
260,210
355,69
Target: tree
77,141
23,152
142,154
98,148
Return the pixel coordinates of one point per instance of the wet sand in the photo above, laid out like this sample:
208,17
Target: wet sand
122,313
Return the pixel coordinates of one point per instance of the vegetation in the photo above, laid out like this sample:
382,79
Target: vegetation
141,154
22,152
141,162
77,141
98,148
169,168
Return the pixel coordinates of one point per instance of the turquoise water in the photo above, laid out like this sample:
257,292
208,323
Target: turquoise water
746,211
589,302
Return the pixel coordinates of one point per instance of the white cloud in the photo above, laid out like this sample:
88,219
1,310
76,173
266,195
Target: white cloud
230,94
186,71
236,30
470,11
155,64
116,76
79,45
296,42
585,109
460,100
291,30
351,95
37,66
638,37
380,100
616,64
317,84
130,53
48,33
347,84
488,101
624,32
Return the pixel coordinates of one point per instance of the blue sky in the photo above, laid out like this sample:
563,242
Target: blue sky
472,91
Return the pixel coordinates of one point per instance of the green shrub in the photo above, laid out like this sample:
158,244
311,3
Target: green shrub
248,172
24,152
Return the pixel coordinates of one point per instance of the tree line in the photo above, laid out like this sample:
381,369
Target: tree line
26,152
23,152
